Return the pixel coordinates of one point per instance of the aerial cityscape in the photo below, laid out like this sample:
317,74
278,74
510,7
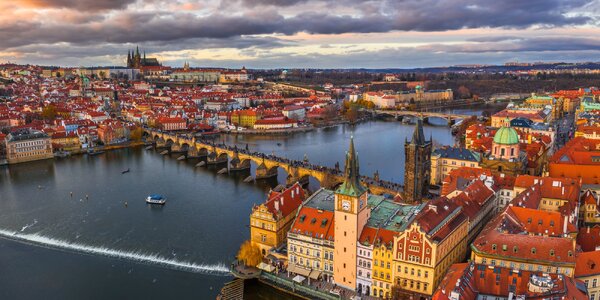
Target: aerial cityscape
303,149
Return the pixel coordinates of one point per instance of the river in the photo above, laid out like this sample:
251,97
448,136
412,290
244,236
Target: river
92,245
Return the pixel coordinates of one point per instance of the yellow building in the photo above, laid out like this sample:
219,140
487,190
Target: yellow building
383,264
446,159
434,241
270,221
588,211
245,118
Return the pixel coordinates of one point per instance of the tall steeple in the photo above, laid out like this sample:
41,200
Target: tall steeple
351,185
418,137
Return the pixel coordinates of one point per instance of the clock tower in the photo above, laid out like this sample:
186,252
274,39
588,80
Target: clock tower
350,217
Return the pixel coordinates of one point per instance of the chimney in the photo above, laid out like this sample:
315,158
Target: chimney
566,222
282,200
588,229
276,205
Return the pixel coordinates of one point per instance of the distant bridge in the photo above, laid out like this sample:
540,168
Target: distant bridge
400,114
267,165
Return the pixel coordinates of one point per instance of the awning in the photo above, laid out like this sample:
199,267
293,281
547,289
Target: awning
266,267
314,274
299,279
297,270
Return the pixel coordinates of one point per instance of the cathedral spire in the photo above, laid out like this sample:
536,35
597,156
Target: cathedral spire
351,185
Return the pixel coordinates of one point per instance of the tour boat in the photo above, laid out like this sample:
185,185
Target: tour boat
156,199
126,171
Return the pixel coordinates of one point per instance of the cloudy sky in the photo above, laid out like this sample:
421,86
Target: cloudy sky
300,33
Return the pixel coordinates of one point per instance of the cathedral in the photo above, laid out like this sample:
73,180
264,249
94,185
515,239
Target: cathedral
417,165
136,60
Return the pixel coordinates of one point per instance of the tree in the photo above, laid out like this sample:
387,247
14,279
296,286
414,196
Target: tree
352,114
249,254
49,112
135,134
463,92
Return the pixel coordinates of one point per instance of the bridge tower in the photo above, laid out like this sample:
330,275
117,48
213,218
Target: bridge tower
417,165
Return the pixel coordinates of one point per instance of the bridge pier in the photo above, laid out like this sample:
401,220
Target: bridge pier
237,165
262,172
161,143
175,148
451,122
214,159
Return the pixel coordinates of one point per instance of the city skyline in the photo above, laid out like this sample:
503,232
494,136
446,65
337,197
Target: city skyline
299,33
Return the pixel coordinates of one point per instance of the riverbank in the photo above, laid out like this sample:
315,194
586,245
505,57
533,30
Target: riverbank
130,144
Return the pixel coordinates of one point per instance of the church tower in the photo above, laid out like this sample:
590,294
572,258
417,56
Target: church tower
351,215
417,165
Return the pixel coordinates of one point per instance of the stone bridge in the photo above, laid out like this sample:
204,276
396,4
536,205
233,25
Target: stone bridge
400,114
267,165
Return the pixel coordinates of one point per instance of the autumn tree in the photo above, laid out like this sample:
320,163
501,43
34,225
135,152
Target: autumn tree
249,254
49,112
352,114
463,92
135,134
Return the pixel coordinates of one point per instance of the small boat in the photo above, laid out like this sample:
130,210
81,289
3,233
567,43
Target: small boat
279,144
94,152
126,171
156,199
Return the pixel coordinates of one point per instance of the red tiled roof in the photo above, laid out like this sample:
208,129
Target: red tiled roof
588,238
588,264
286,201
315,223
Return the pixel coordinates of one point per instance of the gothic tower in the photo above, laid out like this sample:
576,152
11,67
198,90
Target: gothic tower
351,215
129,59
417,165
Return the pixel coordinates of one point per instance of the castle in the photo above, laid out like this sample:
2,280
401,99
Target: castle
136,60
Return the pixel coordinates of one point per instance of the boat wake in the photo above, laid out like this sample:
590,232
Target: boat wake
136,256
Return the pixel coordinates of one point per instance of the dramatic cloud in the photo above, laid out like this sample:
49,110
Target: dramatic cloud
78,4
93,31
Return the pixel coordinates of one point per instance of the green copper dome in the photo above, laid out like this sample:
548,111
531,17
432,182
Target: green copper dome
506,136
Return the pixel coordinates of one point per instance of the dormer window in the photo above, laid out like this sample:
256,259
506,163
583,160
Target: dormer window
493,246
515,249
551,252
532,250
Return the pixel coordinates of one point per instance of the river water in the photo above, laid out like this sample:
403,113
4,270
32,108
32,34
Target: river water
77,228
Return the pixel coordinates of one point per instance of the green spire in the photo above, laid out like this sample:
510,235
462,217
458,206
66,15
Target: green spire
351,185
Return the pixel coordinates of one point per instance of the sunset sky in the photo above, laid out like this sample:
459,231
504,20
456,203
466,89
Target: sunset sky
300,33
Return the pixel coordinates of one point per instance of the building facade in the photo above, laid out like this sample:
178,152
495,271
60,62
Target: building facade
270,221
27,145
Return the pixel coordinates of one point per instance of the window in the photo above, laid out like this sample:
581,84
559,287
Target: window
532,250
594,282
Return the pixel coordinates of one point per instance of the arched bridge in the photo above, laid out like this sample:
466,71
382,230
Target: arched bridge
267,165
399,114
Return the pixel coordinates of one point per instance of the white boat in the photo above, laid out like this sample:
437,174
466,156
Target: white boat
156,199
